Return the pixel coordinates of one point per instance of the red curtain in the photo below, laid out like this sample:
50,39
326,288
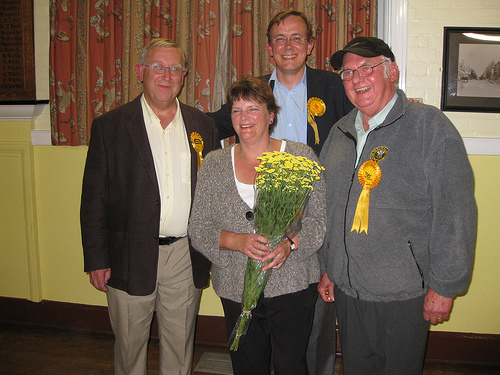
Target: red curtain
96,44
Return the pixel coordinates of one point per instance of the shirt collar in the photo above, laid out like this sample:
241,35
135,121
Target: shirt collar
378,118
151,118
303,80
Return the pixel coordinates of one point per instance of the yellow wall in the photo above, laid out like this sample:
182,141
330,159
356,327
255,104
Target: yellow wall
61,253
59,172
478,310
19,260
41,185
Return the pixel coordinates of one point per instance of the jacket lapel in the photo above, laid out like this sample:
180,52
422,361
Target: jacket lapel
137,130
315,86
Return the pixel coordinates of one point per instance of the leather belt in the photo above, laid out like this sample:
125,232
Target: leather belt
168,240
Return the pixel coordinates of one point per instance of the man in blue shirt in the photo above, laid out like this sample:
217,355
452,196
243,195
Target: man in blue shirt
311,100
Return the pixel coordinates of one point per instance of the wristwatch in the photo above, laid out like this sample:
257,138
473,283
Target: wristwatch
292,244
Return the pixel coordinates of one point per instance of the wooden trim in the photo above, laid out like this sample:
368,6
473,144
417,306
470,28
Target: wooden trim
453,347
461,347
211,330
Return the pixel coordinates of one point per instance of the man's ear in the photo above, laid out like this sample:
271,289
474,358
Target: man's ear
310,46
139,69
269,49
394,71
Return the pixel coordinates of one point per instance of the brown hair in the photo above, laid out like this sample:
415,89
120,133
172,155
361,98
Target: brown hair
256,89
281,16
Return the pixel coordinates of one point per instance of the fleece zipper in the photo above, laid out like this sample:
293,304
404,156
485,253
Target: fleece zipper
418,265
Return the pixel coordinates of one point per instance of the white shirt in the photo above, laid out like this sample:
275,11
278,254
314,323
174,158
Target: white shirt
172,159
247,191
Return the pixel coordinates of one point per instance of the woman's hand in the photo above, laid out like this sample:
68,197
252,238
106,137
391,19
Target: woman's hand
252,245
255,246
280,254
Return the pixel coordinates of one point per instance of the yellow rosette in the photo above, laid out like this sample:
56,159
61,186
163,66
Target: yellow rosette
197,143
315,107
369,176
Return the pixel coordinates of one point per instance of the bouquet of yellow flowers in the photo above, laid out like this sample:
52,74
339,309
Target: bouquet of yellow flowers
283,184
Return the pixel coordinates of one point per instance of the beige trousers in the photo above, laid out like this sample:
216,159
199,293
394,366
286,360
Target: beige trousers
176,300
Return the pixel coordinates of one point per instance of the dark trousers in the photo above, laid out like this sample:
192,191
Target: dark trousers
322,345
386,338
279,329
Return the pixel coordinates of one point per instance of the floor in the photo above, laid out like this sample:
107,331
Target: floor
46,351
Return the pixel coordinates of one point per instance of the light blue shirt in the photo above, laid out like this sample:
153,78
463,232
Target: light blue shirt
375,121
292,117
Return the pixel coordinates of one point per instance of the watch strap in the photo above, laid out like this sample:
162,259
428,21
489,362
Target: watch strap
292,244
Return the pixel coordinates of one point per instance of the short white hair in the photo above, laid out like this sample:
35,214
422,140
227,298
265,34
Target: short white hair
387,74
162,43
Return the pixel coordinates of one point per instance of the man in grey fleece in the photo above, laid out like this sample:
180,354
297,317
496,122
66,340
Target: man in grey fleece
401,221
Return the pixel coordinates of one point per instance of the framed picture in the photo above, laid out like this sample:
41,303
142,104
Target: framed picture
471,69
17,65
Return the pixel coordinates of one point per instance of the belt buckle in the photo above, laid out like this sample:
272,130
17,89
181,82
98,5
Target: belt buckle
168,240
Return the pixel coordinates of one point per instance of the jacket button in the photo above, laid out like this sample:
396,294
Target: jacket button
157,202
155,236
249,215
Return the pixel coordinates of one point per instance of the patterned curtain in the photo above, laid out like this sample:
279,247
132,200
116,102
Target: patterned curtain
338,22
95,45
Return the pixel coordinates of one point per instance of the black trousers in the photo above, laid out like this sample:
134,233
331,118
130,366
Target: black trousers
322,345
279,329
386,338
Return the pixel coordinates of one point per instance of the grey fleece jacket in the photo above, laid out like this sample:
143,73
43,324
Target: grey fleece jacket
217,206
422,214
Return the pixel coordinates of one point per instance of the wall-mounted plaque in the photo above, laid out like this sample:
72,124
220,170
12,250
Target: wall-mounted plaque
17,63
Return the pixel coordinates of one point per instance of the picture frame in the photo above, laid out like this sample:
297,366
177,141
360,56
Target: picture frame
17,60
471,69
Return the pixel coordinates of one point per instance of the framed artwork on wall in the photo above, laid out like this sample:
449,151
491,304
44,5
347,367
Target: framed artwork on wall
471,69
17,61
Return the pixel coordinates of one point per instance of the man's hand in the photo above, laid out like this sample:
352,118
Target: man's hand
325,288
99,278
436,308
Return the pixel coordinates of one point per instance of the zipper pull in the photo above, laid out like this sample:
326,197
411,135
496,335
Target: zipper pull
418,266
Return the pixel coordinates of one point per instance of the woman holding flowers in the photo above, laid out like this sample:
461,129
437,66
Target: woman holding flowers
222,227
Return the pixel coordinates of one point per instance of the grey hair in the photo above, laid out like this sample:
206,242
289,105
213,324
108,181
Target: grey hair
387,74
162,43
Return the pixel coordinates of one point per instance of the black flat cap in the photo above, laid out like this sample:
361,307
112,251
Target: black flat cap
366,46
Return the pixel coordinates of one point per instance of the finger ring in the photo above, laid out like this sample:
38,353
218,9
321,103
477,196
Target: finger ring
439,318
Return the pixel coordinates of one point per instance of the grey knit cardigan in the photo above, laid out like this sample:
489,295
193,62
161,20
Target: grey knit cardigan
217,206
